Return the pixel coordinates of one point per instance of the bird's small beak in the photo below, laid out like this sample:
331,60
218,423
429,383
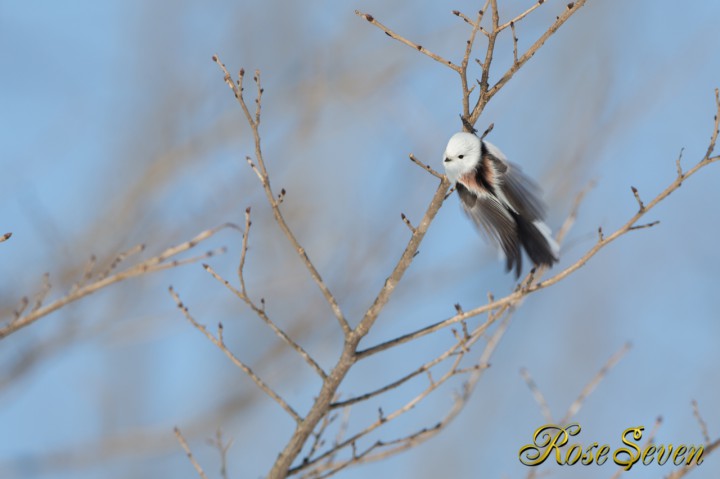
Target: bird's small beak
447,160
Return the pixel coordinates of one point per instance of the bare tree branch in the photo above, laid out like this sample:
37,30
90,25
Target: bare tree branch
487,92
223,449
220,343
156,263
260,311
348,357
701,422
537,394
311,427
590,387
407,42
261,171
425,167
189,453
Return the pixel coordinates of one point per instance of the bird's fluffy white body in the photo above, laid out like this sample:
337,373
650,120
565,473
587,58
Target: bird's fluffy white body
500,200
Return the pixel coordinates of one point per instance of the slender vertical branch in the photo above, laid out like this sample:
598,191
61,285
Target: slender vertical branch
485,65
466,60
254,122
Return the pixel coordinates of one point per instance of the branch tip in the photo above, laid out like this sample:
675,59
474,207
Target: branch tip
637,198
487,131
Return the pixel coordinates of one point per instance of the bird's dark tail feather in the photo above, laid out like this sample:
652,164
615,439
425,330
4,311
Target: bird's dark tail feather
535,242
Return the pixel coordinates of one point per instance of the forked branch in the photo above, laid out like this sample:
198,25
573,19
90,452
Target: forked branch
274,201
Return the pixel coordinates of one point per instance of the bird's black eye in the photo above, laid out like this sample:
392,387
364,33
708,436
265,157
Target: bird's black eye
461,156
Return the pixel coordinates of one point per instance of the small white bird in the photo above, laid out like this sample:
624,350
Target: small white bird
500,199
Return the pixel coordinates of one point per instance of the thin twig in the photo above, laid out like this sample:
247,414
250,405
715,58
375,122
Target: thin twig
521,16
678,165
120,258
425,167
407,222
570,220
485,65
243,251
537,394
318,440
646,225
407,42
450,192
24,302
464,66
42,294
86,274
590,387
701,422
189,453
641,206
515,42
156,263
260,311
244,367
465,18
223,449
716,127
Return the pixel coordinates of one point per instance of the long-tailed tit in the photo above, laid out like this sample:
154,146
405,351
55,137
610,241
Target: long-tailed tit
500,200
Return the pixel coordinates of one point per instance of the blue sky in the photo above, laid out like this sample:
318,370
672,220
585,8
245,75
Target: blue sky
116,128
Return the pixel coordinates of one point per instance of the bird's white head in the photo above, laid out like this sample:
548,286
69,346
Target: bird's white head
462,155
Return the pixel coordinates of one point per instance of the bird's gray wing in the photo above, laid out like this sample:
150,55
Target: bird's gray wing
492,218
511,186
